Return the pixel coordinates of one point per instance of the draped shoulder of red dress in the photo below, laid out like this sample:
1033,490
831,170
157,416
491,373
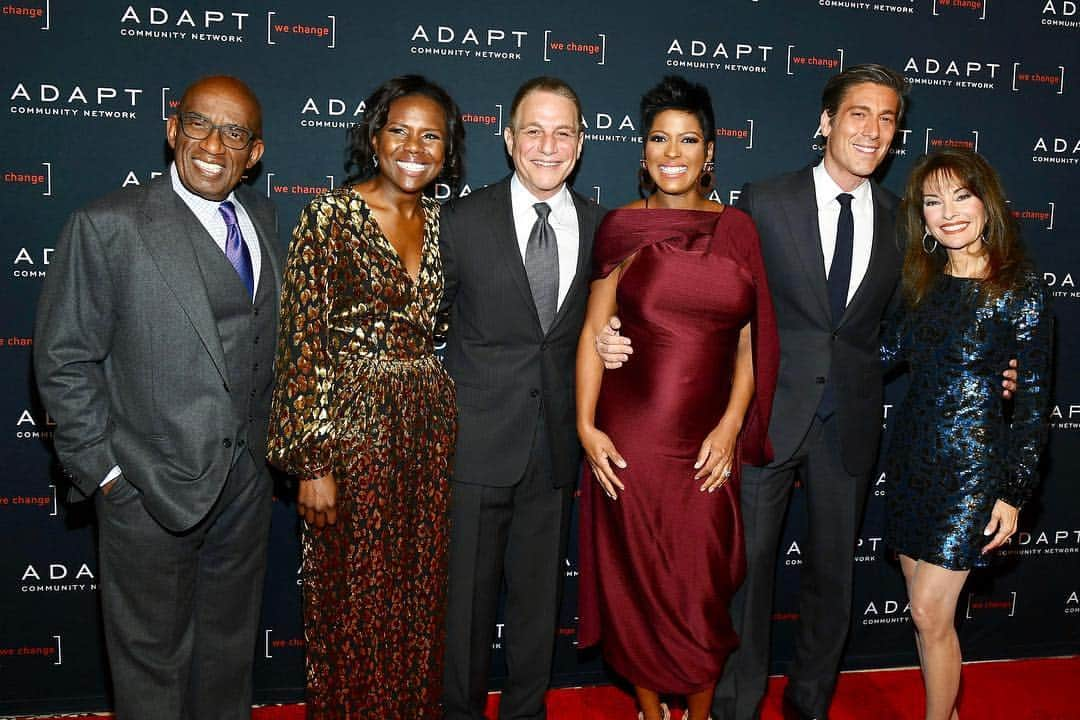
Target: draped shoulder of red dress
660,564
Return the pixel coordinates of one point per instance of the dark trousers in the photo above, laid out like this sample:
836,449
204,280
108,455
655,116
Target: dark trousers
834,506
516,534
181,610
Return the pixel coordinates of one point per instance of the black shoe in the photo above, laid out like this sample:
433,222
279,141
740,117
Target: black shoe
792,711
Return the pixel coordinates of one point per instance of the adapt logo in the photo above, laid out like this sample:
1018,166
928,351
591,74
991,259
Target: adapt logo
1056,150
31,262
718,55
889,611
155,22
330,112
485,44
610,126
869,549
1057,541
1060,14
41,181
896,7
132,177
967,74
279,29
33,425
57,577
1062,285
821,61
74,101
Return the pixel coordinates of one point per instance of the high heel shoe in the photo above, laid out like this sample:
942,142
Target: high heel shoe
665,713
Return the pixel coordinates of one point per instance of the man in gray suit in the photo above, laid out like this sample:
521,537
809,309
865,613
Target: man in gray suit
153,350
517,257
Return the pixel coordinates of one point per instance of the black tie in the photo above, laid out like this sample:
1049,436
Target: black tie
838,281
542,266
840,270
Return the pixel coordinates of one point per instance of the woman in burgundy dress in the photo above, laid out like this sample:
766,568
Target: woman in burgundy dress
661,536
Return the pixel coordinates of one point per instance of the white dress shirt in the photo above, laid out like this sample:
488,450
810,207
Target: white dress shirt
862,209
563,220
211,218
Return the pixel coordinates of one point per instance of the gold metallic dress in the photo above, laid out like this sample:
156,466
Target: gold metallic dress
360,393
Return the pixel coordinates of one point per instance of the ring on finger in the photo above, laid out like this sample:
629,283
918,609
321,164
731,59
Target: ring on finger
726,473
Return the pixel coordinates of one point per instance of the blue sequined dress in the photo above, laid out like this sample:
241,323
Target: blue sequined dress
957,447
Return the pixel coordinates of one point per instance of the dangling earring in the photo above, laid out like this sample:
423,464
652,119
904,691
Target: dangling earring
375,162
706,175
646,186
928,249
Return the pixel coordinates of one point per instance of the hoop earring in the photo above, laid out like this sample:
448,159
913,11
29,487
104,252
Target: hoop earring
928,249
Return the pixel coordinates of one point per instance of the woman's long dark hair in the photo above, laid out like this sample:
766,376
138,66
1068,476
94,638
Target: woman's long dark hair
360,150
1006,260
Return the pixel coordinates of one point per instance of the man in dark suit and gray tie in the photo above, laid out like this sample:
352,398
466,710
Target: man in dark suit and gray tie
153,350
517,257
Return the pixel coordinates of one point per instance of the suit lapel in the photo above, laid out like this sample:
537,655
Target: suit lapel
800,210
169,230
882,231
584,259
504,237
267,231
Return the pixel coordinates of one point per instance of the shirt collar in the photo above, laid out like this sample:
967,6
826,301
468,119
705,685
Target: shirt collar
826,189
560,203
190,198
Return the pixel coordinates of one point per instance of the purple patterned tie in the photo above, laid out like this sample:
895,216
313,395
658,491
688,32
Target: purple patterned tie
236,249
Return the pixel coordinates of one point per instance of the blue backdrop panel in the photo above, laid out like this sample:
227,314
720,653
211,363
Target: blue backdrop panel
87,87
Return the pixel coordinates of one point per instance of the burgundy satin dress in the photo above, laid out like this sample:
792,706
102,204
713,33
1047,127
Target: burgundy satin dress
660,564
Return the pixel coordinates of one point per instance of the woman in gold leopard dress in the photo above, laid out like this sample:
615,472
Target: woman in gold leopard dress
364,414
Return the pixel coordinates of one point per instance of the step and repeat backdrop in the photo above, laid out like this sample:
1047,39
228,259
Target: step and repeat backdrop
87,87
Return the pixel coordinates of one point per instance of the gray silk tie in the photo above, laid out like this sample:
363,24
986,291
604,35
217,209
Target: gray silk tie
542,266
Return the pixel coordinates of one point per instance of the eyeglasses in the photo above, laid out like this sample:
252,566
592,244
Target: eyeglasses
199,127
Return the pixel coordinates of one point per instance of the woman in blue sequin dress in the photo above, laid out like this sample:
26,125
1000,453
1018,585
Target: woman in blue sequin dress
962,462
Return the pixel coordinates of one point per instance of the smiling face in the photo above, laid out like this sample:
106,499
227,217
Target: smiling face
860,132
411,146
544,142
676,152
206,167
953,214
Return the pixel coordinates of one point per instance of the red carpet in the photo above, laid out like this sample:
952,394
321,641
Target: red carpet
1016,690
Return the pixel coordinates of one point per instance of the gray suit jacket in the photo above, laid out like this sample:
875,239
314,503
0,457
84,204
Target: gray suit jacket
505,368
127,354
785,212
